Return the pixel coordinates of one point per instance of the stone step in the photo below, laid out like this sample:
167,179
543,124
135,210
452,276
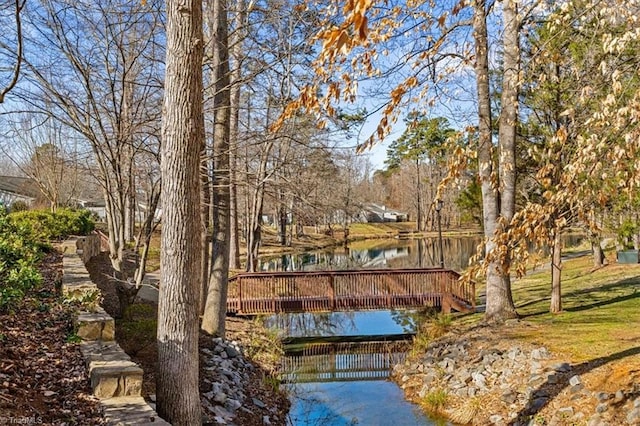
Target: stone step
99,351
115,378
130,411
95,326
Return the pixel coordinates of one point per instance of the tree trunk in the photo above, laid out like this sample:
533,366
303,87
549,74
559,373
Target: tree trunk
236,76
254,233
182,135
205,203
215,312
144,236
596,249
556,273
507,144
499,299
419,219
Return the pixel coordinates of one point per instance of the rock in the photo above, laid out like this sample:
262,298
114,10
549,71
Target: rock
536,367
509,397
540,393
535,405
429,378
562,367
478,380
258,403
577,388
221,412
464,376
496,419
48,393
636,403
619,396
602,407
575,380
633,417
220,398
595,420
602,396
552,379
565,412
232,404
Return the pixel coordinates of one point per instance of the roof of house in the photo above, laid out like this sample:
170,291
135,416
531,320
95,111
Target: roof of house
19,186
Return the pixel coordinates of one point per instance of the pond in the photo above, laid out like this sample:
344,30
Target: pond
376,254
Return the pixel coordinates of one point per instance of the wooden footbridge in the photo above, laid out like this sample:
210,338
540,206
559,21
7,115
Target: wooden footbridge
325,291
342,362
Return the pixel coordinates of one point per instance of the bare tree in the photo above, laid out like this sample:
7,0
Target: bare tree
94,68
182,135
213,321
46,153
14,53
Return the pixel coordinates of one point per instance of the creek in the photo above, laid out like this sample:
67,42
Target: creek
336,365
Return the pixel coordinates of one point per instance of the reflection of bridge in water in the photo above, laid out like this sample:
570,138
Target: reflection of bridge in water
342,362
325,291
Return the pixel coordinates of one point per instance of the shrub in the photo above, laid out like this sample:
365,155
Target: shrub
19,253
18,206
47,226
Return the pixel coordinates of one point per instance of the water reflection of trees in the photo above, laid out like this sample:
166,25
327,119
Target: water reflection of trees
410,320
418,253
313,324
312,408
410,253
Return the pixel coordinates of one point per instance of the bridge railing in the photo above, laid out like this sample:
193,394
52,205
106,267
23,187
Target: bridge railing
270,292
342,361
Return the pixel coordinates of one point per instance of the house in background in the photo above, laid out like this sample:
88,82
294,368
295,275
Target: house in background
14,188
374,213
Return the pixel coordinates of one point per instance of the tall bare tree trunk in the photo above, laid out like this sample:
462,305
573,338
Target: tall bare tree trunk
556,273
507,152
499,299
182,135
215,311
236,75
205,203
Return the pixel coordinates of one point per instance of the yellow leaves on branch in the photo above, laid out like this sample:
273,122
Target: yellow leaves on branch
351,32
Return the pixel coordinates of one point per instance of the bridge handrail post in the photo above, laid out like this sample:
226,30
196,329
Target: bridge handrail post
332,292
239,284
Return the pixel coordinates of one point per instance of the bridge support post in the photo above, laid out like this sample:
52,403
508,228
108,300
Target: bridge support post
447,302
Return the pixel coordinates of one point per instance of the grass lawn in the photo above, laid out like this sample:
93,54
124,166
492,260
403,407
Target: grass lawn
601,310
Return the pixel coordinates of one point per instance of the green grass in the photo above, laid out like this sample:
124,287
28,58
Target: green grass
601,309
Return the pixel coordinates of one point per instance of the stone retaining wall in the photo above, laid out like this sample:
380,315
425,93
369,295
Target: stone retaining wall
115,379
87,247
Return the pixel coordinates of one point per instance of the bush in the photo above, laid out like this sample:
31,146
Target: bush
19,254
18,206
47,226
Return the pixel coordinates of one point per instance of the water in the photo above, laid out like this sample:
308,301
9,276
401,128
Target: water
376,254
332,382
329,324
392,253
333,386
348,403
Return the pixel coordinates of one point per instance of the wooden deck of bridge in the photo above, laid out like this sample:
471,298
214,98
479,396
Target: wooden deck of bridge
325,291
